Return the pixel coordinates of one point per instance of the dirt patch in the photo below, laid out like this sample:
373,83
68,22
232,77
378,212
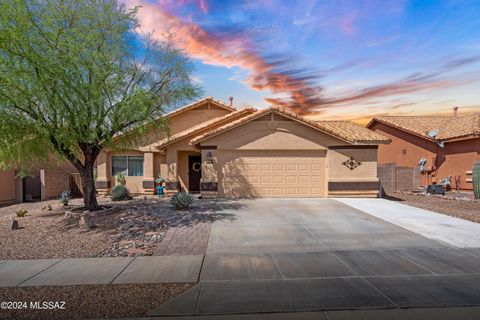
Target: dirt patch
92,301
134,229
462,206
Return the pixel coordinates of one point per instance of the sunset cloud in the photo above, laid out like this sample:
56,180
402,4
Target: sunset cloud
232,51
291,83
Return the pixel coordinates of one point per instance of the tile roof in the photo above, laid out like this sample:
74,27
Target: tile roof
344,130
449,127
202,126
198,103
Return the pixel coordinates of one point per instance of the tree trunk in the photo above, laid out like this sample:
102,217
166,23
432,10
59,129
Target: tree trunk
89,193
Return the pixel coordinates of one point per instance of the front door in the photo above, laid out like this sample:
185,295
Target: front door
194,173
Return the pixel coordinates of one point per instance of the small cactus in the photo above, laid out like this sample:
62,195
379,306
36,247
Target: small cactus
476,179
119,193
181,201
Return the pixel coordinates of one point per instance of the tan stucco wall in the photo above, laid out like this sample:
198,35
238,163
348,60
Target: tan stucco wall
339,172
261,135
188,119
7,187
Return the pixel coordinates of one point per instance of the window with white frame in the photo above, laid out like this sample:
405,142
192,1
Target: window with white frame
131,166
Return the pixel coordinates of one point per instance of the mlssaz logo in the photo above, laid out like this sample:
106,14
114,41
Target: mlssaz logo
47,305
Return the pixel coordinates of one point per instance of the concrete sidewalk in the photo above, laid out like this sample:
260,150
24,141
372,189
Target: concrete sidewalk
454,231
84,271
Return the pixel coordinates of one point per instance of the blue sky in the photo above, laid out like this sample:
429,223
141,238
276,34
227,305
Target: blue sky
329,59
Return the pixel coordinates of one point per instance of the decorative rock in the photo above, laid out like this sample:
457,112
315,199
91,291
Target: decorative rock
47,207
13,224
84,222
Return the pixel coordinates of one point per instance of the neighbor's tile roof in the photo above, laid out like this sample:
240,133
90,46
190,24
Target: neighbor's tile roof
449,127
216,121
198,103
344,130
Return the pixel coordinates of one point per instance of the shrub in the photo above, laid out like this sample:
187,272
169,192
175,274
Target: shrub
21,213
65,197
120,177
119,193
181,201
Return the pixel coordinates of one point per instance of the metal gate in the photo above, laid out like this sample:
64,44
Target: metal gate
32,188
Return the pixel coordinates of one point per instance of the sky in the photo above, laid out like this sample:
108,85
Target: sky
328,59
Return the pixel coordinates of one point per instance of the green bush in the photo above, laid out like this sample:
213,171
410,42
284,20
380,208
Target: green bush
181,201
119,193
21,213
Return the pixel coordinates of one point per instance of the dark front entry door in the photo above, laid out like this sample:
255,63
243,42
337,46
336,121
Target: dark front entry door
194,173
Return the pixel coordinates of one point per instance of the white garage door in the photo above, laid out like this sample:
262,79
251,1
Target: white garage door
293,173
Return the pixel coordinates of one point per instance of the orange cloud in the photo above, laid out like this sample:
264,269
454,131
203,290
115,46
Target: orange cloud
230,51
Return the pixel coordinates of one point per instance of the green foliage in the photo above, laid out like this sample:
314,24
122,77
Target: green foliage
476,179
65,197
120,177
181,201
71,83
21,213
120,193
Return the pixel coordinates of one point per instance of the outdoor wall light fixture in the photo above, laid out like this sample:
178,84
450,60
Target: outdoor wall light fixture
209,157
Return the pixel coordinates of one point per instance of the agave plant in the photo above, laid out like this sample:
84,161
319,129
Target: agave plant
181,200
65,197
119,193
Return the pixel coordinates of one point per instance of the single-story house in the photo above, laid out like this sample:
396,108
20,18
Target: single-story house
446,145
218,150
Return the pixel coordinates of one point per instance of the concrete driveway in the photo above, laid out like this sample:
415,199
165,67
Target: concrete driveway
306,225
299,255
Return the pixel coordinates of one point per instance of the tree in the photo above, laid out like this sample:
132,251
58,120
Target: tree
72,81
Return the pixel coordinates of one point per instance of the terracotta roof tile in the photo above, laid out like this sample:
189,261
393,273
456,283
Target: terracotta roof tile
202,126
344,130
449,127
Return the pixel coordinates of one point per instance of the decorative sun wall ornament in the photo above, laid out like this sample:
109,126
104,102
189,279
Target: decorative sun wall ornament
351,163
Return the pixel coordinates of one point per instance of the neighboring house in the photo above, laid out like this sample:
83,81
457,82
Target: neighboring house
220,151
43,182
422,137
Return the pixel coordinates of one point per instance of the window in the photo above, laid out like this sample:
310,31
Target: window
131,166
404,152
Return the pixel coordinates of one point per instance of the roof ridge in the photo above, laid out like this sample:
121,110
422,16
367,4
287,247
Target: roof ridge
205,124
344,135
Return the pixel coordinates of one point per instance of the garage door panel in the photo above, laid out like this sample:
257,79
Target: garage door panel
268,173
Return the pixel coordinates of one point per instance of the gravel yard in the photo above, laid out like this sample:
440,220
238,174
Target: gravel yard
92,301
135,228
462,206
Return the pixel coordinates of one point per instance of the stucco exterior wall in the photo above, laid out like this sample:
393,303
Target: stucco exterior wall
7,187
191,118
454,160
265,137
54,183
262,135
367,170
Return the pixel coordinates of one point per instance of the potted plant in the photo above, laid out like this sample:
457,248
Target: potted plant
159,181
120,177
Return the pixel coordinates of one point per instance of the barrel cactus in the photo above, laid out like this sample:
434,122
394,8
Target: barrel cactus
119,193
476,179
181,201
